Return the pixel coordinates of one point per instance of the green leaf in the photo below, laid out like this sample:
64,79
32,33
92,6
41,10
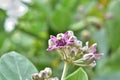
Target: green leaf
79,74
100,37
113,76
112,65
14,66
113,25
60,21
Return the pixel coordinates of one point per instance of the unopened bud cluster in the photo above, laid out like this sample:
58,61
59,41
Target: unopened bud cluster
72,50
44,75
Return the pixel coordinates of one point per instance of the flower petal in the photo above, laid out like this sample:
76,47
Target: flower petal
71,40
98,56
51,48
51,42
66,36
92,48
53,38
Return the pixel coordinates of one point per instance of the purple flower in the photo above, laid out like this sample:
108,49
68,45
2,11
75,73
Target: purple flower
61,40
91,49
71,50
89,57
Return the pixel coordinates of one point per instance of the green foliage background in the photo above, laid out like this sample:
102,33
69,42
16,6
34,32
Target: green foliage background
90,21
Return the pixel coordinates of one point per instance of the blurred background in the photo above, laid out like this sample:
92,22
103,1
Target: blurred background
25,27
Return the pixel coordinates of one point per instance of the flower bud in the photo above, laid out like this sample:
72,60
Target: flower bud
48,71
35,76
59,36
73,52
89,58
78,43
70,33
55,78
42,74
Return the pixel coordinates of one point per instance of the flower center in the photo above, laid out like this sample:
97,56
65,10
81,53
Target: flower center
61,42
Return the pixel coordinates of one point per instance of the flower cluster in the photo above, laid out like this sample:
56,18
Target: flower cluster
72,50
44,75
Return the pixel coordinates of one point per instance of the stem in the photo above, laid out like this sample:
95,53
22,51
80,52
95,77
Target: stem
64,71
